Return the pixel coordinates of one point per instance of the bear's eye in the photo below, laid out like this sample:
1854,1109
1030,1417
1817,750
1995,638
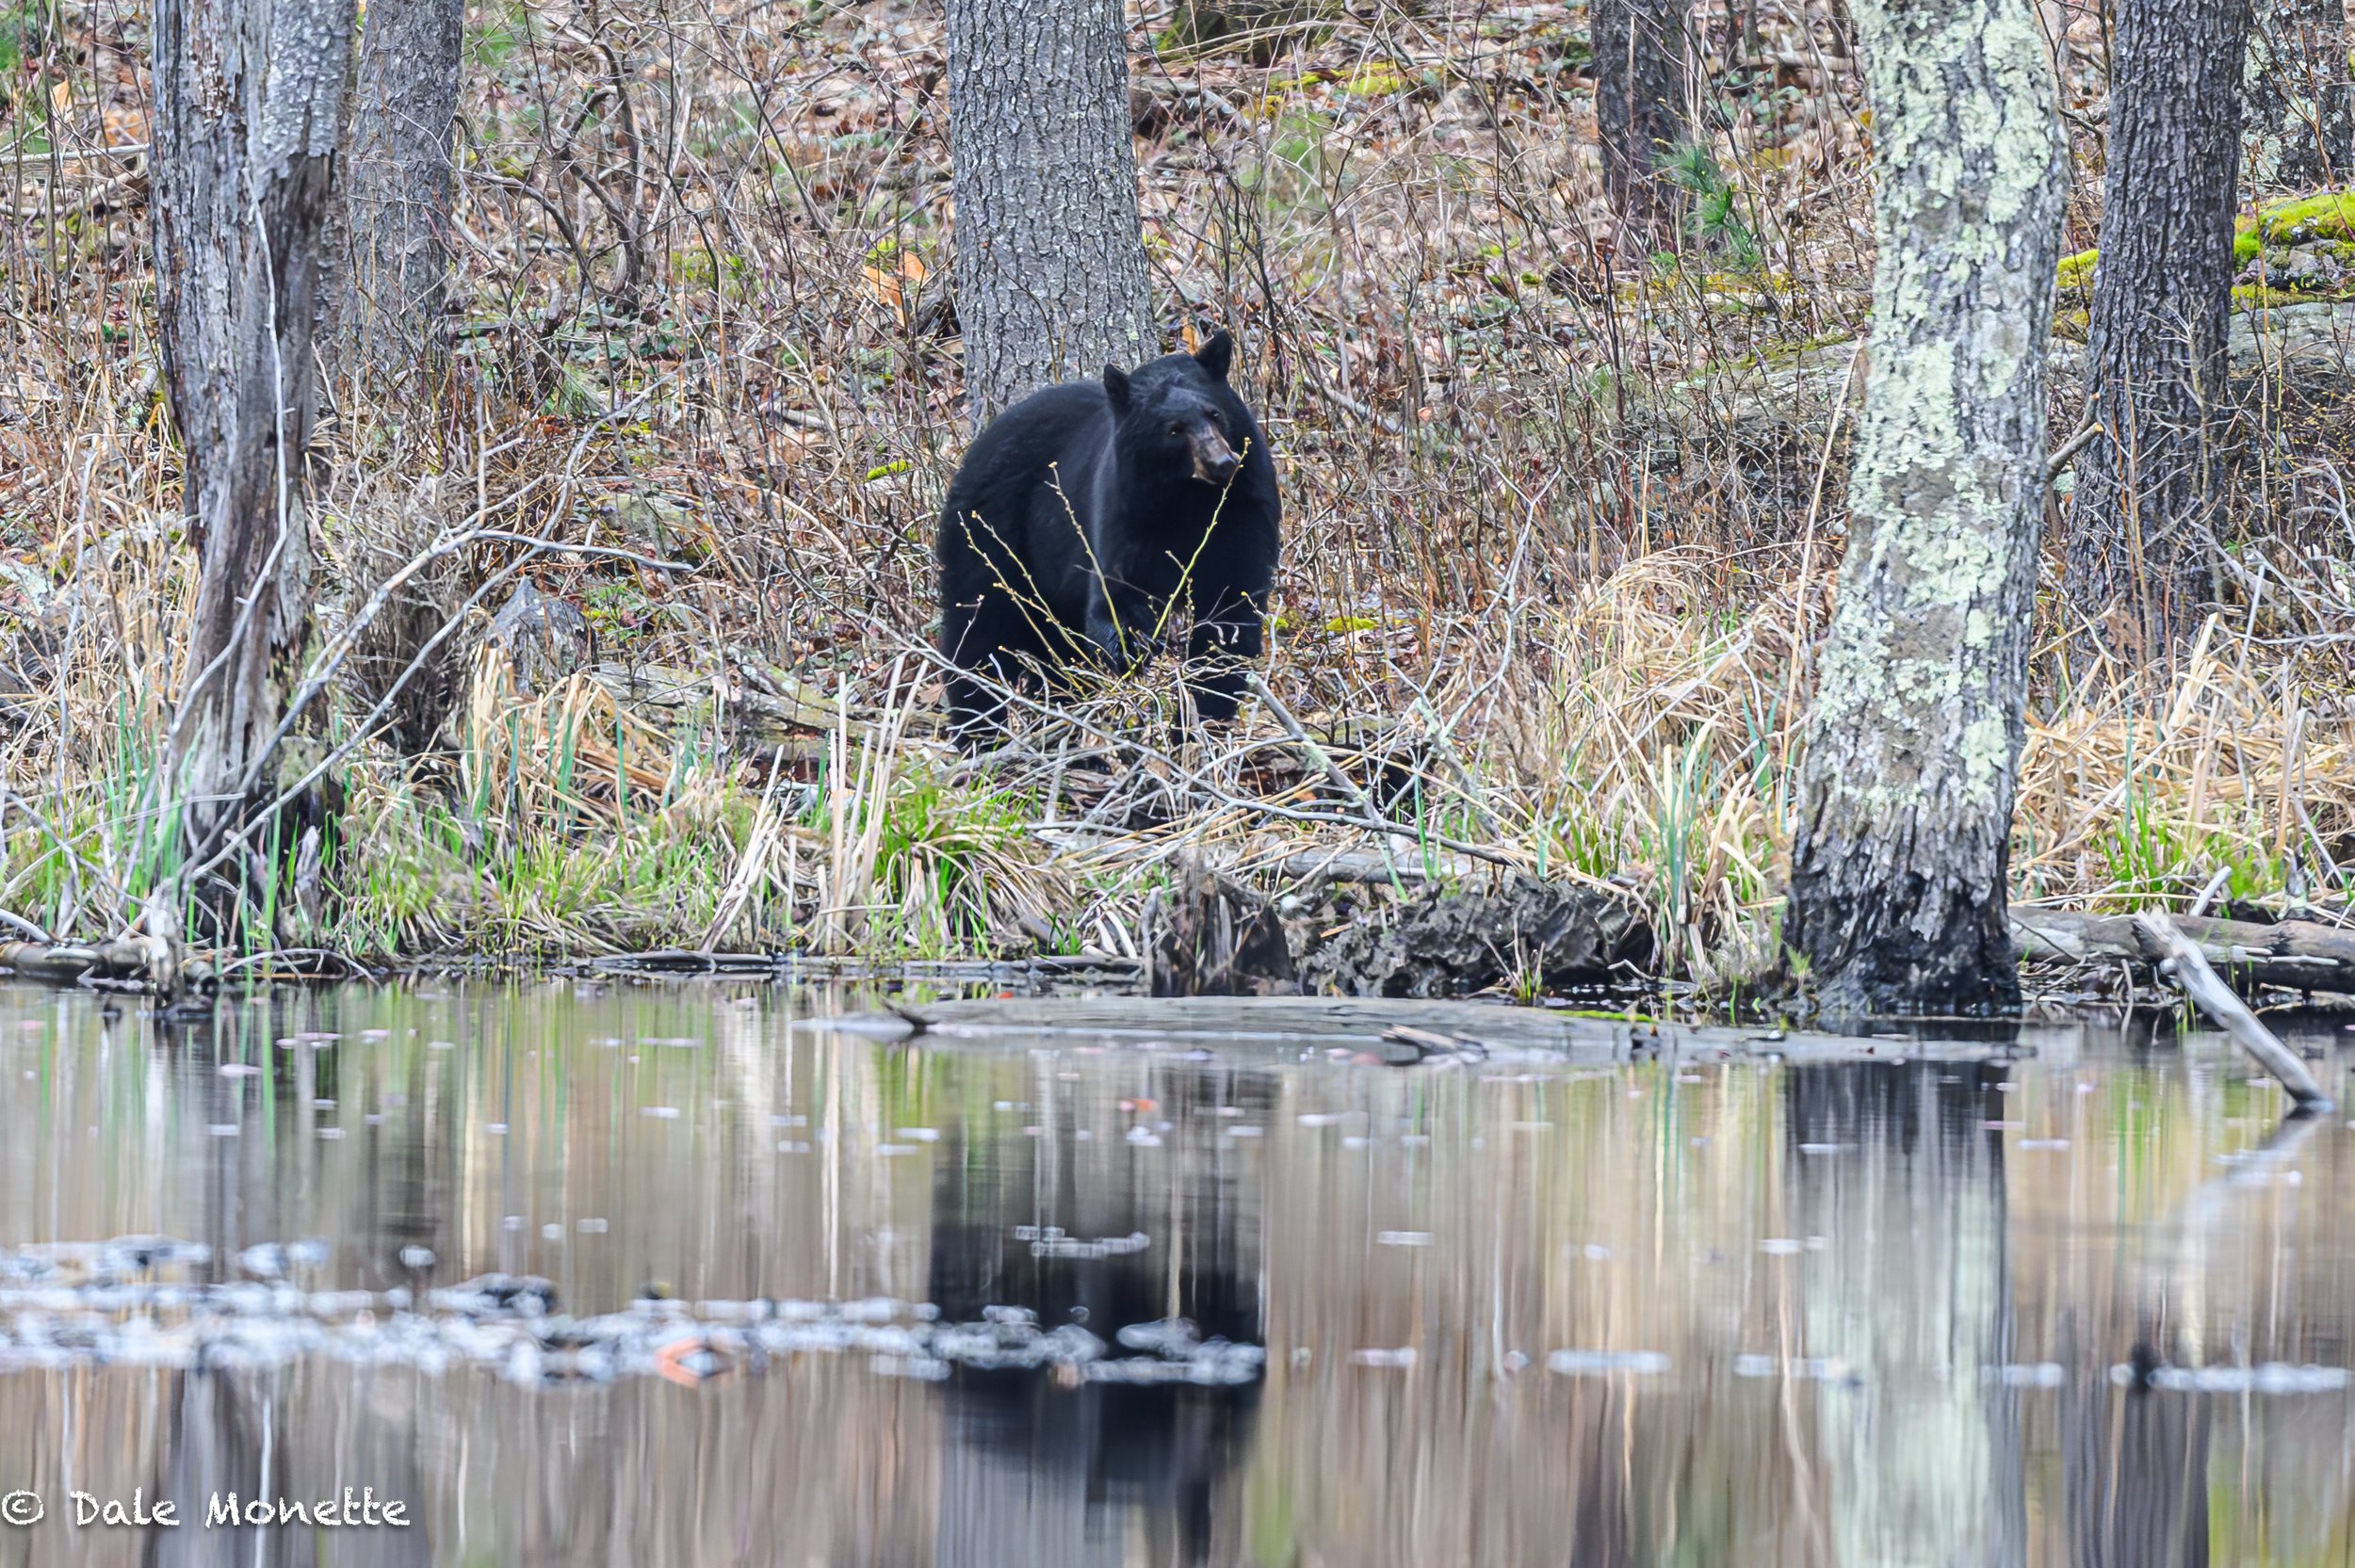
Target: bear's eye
1178,430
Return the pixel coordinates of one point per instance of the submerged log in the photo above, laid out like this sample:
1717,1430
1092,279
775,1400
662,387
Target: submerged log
2296,955
1372,1023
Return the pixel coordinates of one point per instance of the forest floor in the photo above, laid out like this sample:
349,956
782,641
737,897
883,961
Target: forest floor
1562,525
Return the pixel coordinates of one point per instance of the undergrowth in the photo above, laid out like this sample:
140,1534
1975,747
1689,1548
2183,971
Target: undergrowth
1561,528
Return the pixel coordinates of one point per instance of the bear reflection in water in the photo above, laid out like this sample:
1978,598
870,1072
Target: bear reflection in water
1047,1471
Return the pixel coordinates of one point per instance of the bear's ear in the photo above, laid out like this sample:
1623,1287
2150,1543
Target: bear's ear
1217,354
1116,387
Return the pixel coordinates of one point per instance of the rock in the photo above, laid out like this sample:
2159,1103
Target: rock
546,640
1545,936
651,519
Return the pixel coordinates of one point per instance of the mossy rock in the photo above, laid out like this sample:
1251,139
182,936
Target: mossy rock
2296,221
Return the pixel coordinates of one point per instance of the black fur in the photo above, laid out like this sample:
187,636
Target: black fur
1085,515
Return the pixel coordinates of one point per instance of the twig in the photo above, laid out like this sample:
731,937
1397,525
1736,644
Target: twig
1342,782
2217,883
18,923
2066,452
2215,998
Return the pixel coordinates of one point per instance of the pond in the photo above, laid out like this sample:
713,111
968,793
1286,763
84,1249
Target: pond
766,1291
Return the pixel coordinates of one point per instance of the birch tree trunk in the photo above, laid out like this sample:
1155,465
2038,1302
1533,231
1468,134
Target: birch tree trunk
396,188
2301,116
248,95
1641,111
1051,271
1902,855
2155,365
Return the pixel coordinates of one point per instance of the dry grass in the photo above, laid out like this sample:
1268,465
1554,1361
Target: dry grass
1561,524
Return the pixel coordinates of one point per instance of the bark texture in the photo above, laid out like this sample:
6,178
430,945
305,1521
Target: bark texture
1051,279
2302,109
247,101
396,188
1902,852
2155,365
1642,102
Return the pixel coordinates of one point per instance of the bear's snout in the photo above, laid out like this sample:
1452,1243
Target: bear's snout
1214,462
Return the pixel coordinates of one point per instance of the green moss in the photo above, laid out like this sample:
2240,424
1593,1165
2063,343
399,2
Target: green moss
2292,222
2250,297
1778,353
1375,81
2304,218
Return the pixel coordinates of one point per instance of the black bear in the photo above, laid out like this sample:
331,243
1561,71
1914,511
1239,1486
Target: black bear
1088,513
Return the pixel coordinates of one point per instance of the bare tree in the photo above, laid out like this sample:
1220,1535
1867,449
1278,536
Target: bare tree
247,101
2301,107
1051,270
1642,104
2162,290
397,186
1900,866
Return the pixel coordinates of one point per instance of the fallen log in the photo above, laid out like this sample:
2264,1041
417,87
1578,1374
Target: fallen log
143,960
2296,955
2215,998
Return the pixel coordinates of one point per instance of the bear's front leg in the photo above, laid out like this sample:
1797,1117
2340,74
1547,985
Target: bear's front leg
1228,637
1120,630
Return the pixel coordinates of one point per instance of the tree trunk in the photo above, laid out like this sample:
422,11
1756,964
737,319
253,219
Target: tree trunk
2155,365
247,101
2302,119
397,187
1641,99
1051,280
1901,861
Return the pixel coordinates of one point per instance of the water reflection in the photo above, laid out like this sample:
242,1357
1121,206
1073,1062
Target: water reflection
1865,1315
1039,1472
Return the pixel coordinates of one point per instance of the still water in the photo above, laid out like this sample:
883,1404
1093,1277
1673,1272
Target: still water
771,1293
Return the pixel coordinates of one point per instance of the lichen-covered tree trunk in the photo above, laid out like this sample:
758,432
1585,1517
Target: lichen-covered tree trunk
2301,107
2155,365
247,101
1051,270
395,188
1642,102
1901,858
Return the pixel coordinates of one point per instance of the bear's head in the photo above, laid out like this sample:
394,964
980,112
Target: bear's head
1178,414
